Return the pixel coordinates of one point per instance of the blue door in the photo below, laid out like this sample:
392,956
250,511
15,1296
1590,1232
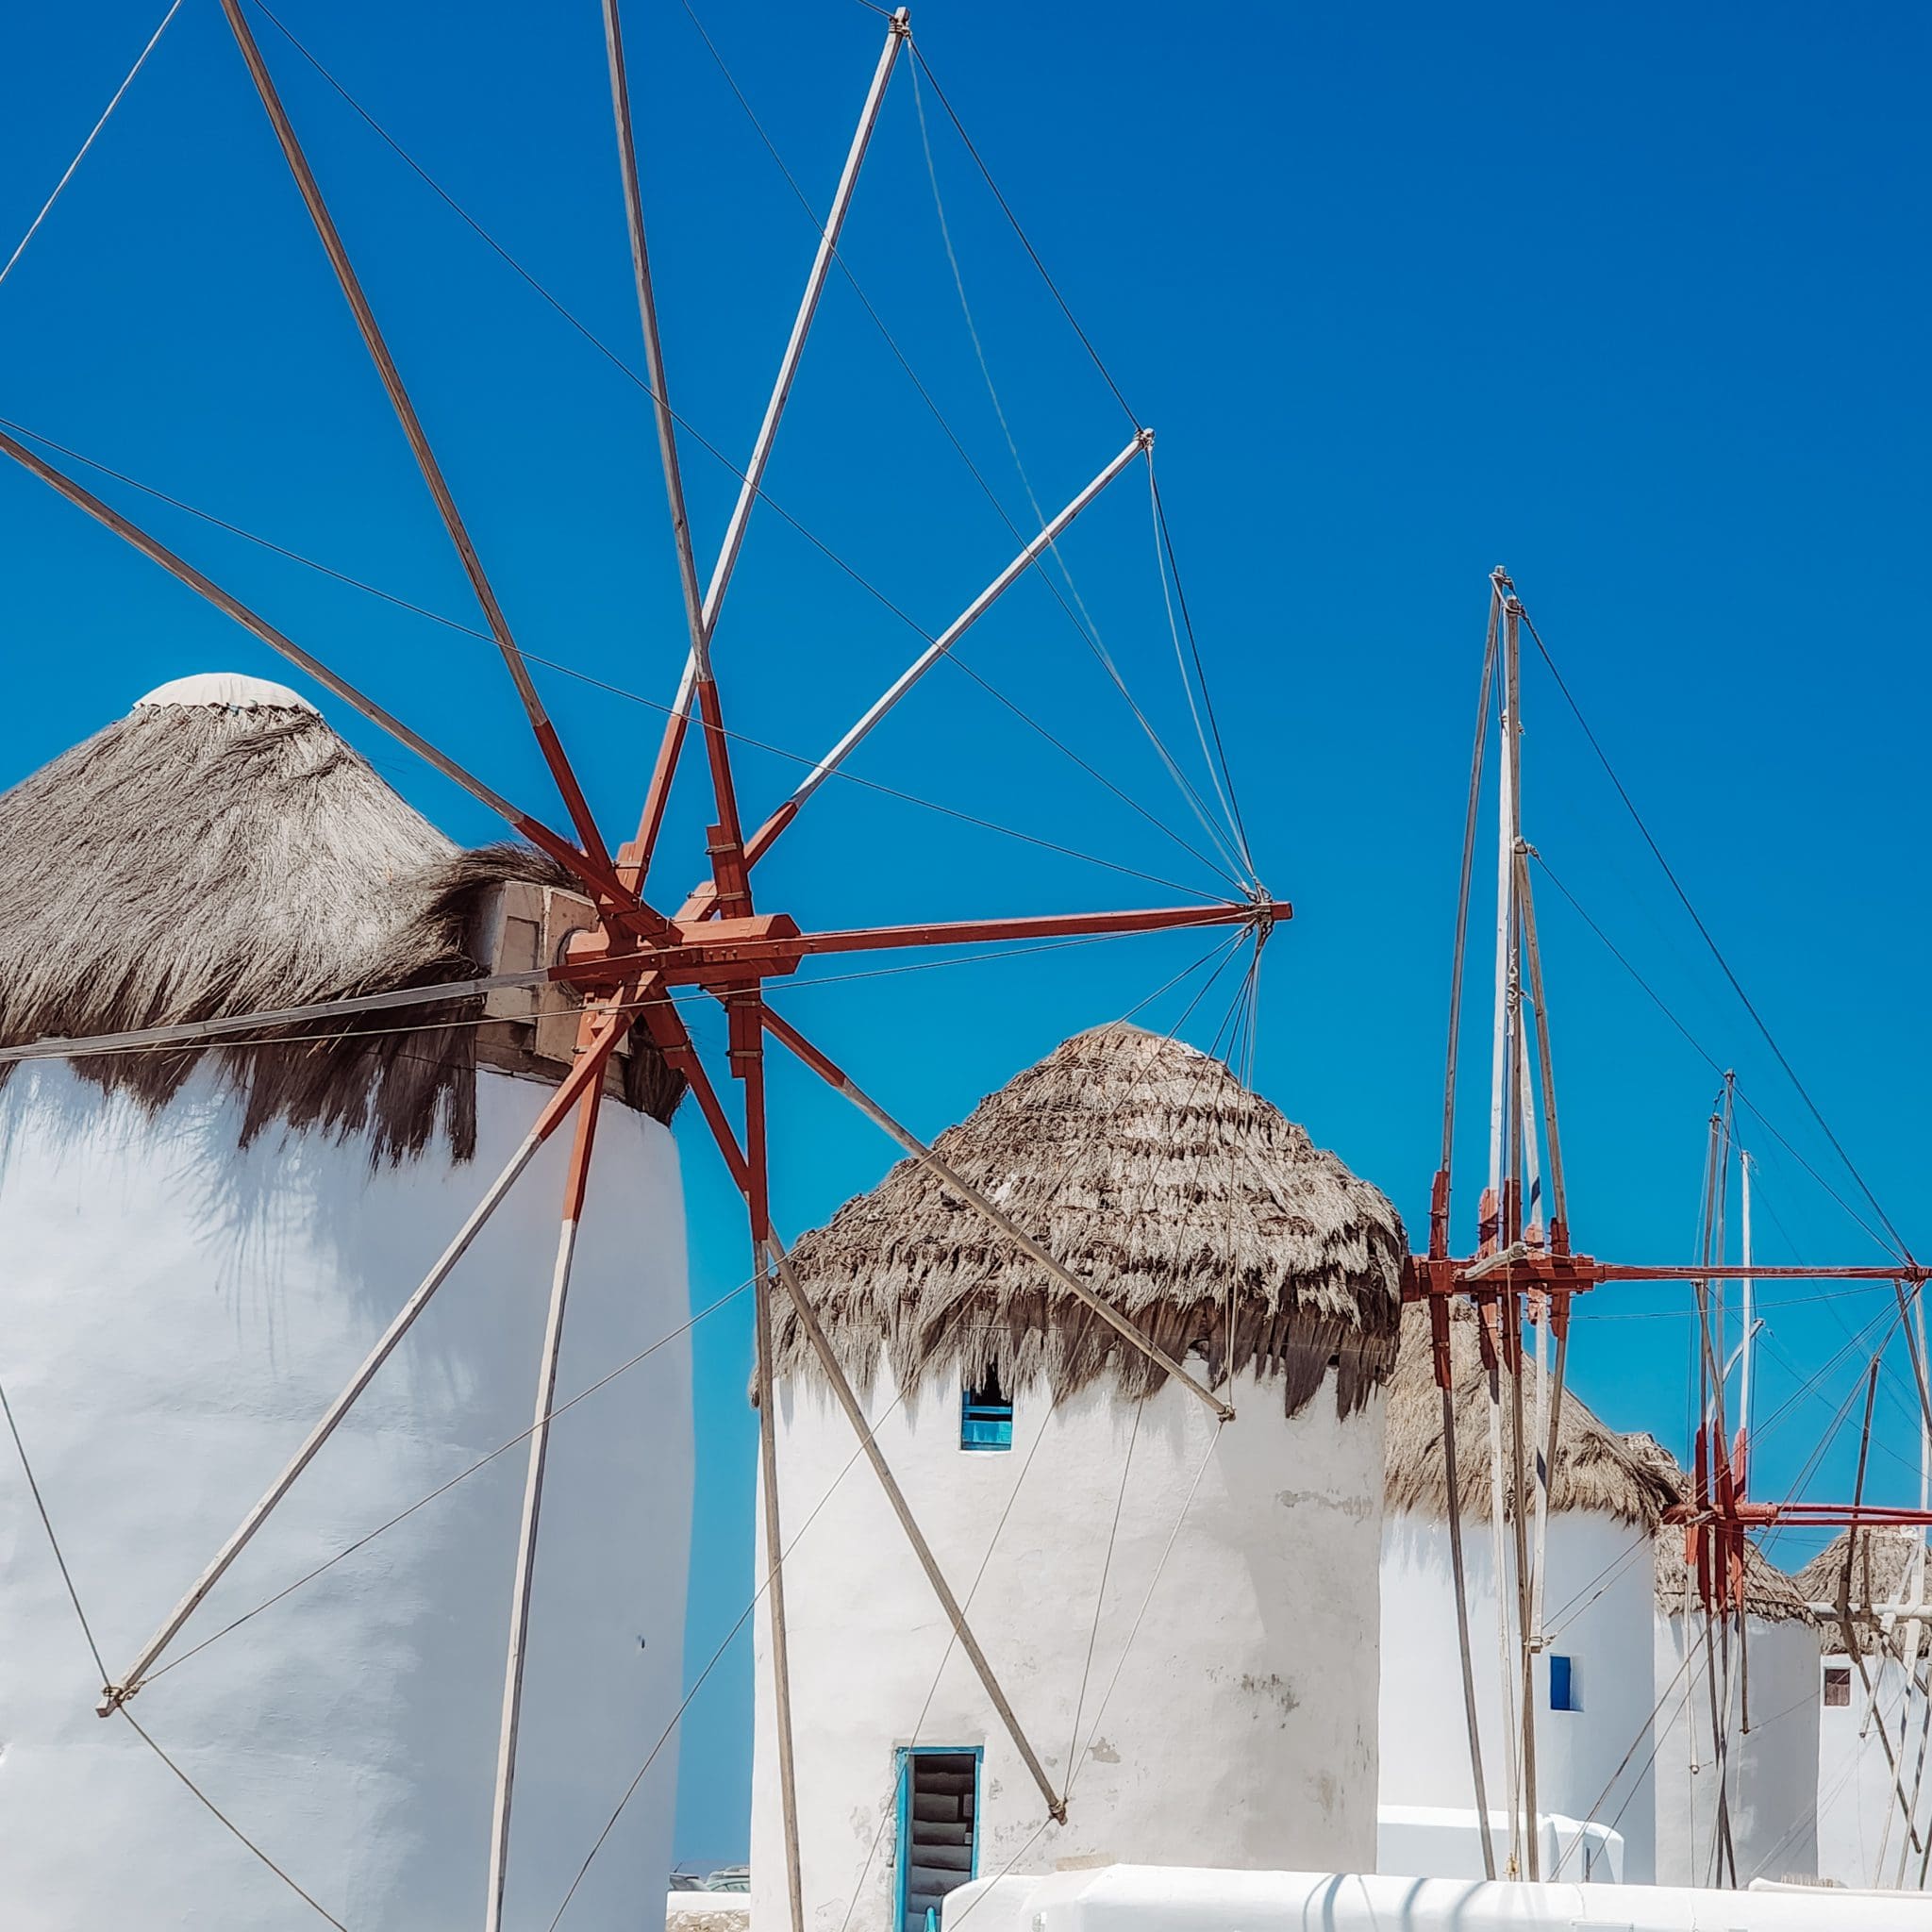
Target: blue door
938,1830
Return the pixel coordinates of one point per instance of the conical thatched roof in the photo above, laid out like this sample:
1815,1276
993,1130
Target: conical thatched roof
1769,1594
1594,1469
1152,1173
221,851
1881,1575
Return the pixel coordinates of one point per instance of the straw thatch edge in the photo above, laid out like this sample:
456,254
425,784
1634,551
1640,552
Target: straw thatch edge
1594,1469
1880,1564
910,1276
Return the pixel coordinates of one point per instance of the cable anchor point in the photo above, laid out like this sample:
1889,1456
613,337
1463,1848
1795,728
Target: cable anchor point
1265,914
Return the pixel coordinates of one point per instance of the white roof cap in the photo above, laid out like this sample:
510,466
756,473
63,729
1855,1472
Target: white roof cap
226,689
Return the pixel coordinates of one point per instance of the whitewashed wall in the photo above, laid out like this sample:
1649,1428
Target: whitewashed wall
174,1315
1860,1819
1598,1599
1771,1776
1131,1899
1241,1729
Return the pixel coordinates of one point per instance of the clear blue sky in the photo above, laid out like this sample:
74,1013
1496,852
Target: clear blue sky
1631,299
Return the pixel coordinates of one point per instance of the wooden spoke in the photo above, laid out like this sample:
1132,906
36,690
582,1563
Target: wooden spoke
842,1388
595,875
547,740
836,1078
727,843
585,1077
659,793
748,1061
576,1179
767,834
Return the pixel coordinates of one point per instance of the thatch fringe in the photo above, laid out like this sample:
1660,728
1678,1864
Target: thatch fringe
1593,1468
197,860
1769,1594
1881,1575
1146,1168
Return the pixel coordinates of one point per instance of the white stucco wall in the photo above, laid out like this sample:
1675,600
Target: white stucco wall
1242,1728
1860,1819
174,1315
1771,1772
1598,1605
1131,1899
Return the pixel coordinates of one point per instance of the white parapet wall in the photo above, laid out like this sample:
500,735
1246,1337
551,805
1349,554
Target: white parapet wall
1230,1713
1444,1843
1126,1898
178,1310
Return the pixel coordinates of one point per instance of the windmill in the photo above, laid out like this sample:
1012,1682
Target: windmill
1525,1274
720,942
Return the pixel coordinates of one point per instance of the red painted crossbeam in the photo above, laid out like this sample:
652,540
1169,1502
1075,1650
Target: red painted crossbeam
1425,1274
719,952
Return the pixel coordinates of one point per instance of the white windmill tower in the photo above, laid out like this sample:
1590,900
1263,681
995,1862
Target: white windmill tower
202,1244
1178,1596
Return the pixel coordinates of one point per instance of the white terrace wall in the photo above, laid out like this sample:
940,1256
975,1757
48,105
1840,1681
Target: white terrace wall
1772,1778
1598,1597
1861,1818
1128,1899
1238,1728
177,1313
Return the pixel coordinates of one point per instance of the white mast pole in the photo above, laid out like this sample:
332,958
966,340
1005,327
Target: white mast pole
1506,875
1499,1072
1541,1471
1744,1289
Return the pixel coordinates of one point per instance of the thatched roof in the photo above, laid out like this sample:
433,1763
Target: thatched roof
1594,1469
1881,1575
221,851
1146,1168
1769,1594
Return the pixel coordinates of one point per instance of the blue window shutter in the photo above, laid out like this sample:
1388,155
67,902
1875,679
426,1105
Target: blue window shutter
1563,1686
986,1415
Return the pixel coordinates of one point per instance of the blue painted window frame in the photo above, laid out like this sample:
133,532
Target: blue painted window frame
902,1770
1563,1684
985,1416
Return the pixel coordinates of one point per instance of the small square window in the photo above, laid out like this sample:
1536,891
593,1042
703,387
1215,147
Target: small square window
986,1415
1566,1690
1837,1684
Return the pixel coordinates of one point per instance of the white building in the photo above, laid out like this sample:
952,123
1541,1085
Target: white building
200,1248
1182,1612
1874,1766
1765,1675
1592,1678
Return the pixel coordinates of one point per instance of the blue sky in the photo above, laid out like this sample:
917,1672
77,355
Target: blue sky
1629,299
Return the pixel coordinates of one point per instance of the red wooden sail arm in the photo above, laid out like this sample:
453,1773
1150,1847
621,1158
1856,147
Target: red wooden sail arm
717,953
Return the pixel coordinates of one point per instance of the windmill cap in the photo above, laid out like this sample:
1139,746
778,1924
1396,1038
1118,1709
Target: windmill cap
224,691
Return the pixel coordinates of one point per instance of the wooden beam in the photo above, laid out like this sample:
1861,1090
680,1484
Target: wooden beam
351,285
837,1078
